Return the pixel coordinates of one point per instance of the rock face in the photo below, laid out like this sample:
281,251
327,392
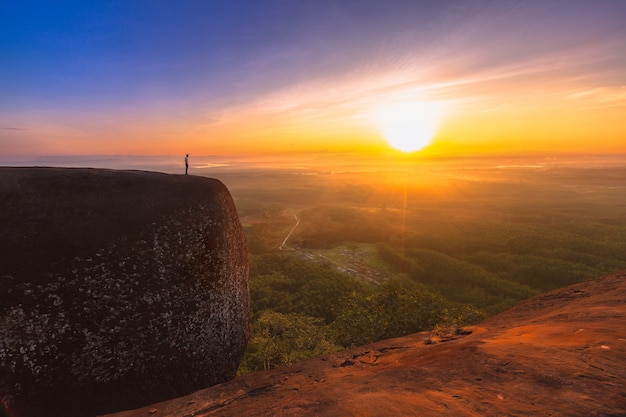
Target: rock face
562,353
118,289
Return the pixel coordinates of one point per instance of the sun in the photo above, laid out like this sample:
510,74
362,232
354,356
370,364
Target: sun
408,127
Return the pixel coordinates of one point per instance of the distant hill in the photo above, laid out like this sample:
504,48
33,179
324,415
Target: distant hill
562,353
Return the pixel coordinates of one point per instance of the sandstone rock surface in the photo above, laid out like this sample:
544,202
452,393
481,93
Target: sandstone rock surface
559,354
119,289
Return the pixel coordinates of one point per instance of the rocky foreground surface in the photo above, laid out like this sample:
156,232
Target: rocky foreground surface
559,354
118,289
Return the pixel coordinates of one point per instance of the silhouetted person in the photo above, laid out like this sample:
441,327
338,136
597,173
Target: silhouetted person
186,164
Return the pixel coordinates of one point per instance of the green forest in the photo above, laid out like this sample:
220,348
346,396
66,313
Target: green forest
376,255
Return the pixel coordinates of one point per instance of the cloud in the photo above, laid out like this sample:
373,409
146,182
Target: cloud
13,128
601,97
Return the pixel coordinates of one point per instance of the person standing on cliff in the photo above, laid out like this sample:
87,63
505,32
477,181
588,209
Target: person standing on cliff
186,164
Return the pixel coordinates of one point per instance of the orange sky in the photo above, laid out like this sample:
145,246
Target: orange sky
508,77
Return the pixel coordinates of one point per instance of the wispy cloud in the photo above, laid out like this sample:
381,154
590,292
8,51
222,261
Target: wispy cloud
601,97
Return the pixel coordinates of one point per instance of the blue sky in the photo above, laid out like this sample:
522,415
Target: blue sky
98,76
97,53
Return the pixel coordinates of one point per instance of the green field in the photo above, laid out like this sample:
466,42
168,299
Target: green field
380,253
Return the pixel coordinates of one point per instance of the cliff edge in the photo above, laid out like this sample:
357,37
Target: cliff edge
559,354
119,289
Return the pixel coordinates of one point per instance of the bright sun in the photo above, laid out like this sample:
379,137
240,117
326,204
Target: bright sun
408,127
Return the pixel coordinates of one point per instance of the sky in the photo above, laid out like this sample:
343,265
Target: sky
238,77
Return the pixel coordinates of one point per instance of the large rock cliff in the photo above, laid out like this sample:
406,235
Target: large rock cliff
119,289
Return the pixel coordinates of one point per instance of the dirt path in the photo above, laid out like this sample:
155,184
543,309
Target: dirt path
282,245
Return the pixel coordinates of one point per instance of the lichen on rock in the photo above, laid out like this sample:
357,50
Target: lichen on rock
121,289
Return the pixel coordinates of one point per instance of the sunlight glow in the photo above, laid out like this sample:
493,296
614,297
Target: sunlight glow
408,127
